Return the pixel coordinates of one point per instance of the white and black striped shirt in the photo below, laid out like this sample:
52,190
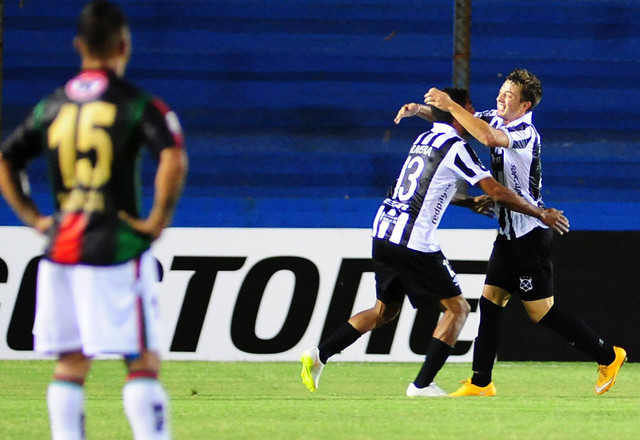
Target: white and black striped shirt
436,162
517,167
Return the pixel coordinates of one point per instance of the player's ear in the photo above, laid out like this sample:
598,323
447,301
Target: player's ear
124,44
123,52
79,45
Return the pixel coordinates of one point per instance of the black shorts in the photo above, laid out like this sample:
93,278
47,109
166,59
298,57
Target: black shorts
523,265
423,277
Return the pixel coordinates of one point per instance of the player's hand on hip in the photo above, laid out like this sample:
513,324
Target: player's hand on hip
43,223
147,227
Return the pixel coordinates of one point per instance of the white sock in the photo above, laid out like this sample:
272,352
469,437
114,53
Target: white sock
66,410
147,407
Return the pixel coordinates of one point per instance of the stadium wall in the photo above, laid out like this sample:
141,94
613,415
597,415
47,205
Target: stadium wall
269,294
287,108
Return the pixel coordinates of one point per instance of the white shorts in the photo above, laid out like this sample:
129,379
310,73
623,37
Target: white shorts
97,309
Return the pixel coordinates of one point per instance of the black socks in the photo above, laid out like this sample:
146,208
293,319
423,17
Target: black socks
576,331
486,345
343,337
566,324
437,355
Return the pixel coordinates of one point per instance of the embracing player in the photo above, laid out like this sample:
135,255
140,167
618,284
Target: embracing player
407,258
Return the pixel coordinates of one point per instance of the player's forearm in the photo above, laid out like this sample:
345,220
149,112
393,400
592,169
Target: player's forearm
424,112
514,202
12,191
169,183
478,128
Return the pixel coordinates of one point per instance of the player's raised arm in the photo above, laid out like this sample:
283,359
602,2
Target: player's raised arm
476,127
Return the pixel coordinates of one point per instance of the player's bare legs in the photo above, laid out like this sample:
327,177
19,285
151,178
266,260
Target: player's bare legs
148,361
496,295
456,310
72,365
374,317
538,309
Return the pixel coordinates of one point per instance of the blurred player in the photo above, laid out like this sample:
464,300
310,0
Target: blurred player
407,259
96,282
520,262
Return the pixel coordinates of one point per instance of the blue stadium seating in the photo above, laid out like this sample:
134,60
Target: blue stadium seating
288,105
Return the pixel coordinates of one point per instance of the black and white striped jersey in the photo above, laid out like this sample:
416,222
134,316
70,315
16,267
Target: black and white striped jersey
436,162
517,167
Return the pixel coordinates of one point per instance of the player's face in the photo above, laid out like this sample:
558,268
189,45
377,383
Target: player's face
509,104
469,107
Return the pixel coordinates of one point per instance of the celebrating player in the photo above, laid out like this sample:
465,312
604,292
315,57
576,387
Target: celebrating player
520,262
407,259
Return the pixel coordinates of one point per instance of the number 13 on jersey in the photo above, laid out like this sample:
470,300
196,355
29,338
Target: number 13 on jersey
409,178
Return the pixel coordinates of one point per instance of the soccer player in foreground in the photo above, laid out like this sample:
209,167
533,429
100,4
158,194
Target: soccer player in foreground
520,262
407,259
96,282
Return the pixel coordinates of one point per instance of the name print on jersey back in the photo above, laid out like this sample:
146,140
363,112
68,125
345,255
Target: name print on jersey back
424,150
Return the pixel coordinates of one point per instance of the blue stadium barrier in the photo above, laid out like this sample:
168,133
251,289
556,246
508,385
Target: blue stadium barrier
288,106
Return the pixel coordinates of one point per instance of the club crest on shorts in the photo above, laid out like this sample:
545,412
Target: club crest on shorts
526,284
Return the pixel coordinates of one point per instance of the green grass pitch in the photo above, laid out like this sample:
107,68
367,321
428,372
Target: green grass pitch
266,400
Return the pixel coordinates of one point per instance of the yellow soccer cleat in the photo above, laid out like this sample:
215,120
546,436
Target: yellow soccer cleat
607,373
311,368
469,389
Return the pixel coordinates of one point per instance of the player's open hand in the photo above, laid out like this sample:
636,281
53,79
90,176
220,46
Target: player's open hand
406,111
438,99
482,204
556,220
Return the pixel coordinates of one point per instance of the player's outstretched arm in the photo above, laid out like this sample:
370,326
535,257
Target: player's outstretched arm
413,109
549,216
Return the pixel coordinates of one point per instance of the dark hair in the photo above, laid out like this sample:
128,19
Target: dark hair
530,86
457,95
100,25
